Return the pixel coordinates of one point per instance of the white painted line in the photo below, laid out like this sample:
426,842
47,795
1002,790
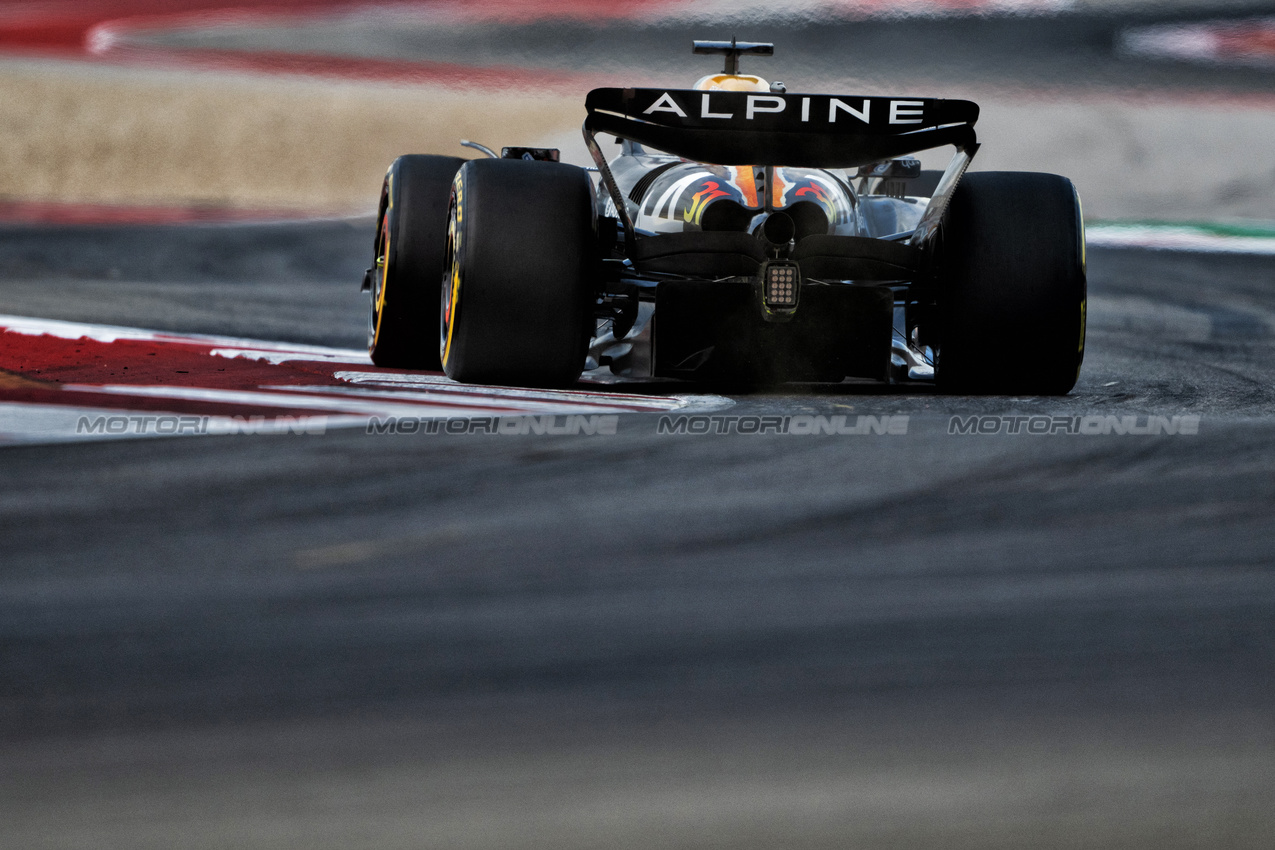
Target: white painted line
492,398
418,406
1177,238
35,424
278,356
445,386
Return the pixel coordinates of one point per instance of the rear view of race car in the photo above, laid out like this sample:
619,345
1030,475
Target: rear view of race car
743,234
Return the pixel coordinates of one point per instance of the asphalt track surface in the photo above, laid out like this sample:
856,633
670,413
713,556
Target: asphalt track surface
919,640
928,639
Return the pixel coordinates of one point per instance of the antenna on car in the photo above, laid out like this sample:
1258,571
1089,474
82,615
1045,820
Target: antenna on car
733,50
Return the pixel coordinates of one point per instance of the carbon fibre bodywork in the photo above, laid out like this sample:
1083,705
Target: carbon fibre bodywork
763,235
694,240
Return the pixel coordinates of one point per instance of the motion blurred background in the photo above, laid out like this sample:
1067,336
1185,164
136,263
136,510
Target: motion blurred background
1156,110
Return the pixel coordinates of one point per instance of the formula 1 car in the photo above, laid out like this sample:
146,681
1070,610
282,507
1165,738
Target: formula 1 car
744,234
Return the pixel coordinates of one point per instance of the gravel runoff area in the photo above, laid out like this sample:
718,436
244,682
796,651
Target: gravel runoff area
80,133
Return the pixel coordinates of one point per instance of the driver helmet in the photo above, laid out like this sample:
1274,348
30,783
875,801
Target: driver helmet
732,82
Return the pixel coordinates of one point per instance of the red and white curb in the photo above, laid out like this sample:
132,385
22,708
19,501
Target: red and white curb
68,213
65,381
117,30
1247,42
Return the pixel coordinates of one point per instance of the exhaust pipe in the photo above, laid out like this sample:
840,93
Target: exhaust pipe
778,230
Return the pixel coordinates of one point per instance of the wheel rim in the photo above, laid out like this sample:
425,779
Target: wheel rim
378,282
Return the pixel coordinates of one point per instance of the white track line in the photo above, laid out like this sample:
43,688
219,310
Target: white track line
1168,237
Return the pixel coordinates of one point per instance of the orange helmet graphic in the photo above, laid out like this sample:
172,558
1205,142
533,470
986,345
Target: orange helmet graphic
732,82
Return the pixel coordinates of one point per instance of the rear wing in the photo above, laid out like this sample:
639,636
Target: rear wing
804,130
777,128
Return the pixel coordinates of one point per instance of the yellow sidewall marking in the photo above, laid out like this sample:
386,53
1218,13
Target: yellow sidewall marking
385,277
385,252
454,233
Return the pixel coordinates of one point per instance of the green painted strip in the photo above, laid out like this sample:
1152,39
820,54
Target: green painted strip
1243,229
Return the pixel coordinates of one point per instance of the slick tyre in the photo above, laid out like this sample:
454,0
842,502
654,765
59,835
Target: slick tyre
411,241
1011,286
522,254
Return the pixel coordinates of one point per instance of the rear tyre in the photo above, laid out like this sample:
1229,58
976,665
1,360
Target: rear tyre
522,253
411,241
1011,288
